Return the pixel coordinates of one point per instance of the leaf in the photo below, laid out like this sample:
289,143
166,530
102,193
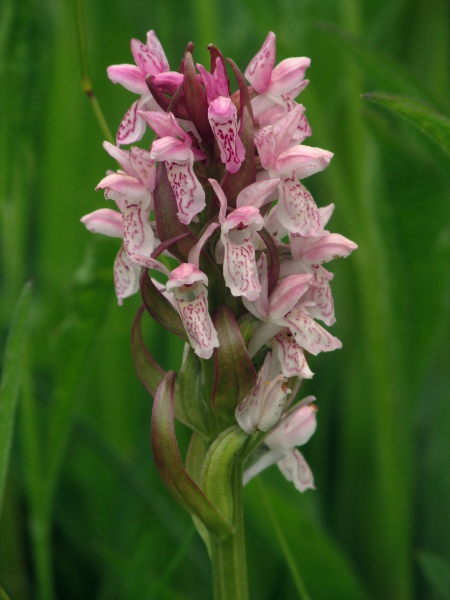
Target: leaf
148,370
234,375
421,115
437,571
160,308
170,467
189,405
11,379
3,594
218,465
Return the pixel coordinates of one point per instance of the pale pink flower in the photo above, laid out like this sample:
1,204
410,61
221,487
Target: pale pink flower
261,409
294,429
174,147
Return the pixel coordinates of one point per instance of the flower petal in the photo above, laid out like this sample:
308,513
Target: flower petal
149,61
287,294
222,116
129,76
295,468
138,236
329,247
309,334
304,160
239,267
143,167
157,52
291,356
197,321
132,127
296,209
126,276
260,68
188,191
320,294
288,74
105,221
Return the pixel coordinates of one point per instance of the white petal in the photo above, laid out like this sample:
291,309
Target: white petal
296,209
295,468
126,276
309,334
239,268
291,356
138,234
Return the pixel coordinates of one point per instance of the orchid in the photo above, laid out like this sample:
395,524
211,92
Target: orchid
218,194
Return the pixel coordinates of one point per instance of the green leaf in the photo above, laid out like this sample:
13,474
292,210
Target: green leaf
437,571
3,594
234,372
190,408
148,370
421,115
170,467
11,379
218,465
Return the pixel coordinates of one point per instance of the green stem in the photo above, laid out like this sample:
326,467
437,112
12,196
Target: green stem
86,83
229,565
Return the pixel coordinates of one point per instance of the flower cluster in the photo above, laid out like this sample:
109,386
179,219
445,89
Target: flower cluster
221,191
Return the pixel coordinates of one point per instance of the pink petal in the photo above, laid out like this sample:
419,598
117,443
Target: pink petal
295,428
329,247
121,156
138,236
105,221
197,321
259,70
248,411
130,76
157,52
146,60
132,127
126,276
129,187
304,160
189,193
296,209
240,218
170,148
169,82
260,307
165,125
185,274
295,468
288,74
266,145
309,334
222,116
287,294
143,167
285,128
291,356
239,268
256,194
320,294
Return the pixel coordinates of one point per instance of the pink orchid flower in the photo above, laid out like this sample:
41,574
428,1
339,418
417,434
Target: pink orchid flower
276,86
174,147
262,408
222,116
287,308
294,429
150,60
237,236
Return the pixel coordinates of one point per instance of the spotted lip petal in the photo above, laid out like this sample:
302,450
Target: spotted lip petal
296,209
196,319
222,116
309,334
290,355
138,234
126,276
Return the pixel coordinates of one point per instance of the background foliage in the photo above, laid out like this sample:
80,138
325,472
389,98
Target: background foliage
84,513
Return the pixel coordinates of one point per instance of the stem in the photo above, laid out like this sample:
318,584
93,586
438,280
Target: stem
228,560
86,83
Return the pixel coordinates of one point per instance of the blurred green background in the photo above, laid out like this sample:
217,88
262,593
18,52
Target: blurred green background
84,514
